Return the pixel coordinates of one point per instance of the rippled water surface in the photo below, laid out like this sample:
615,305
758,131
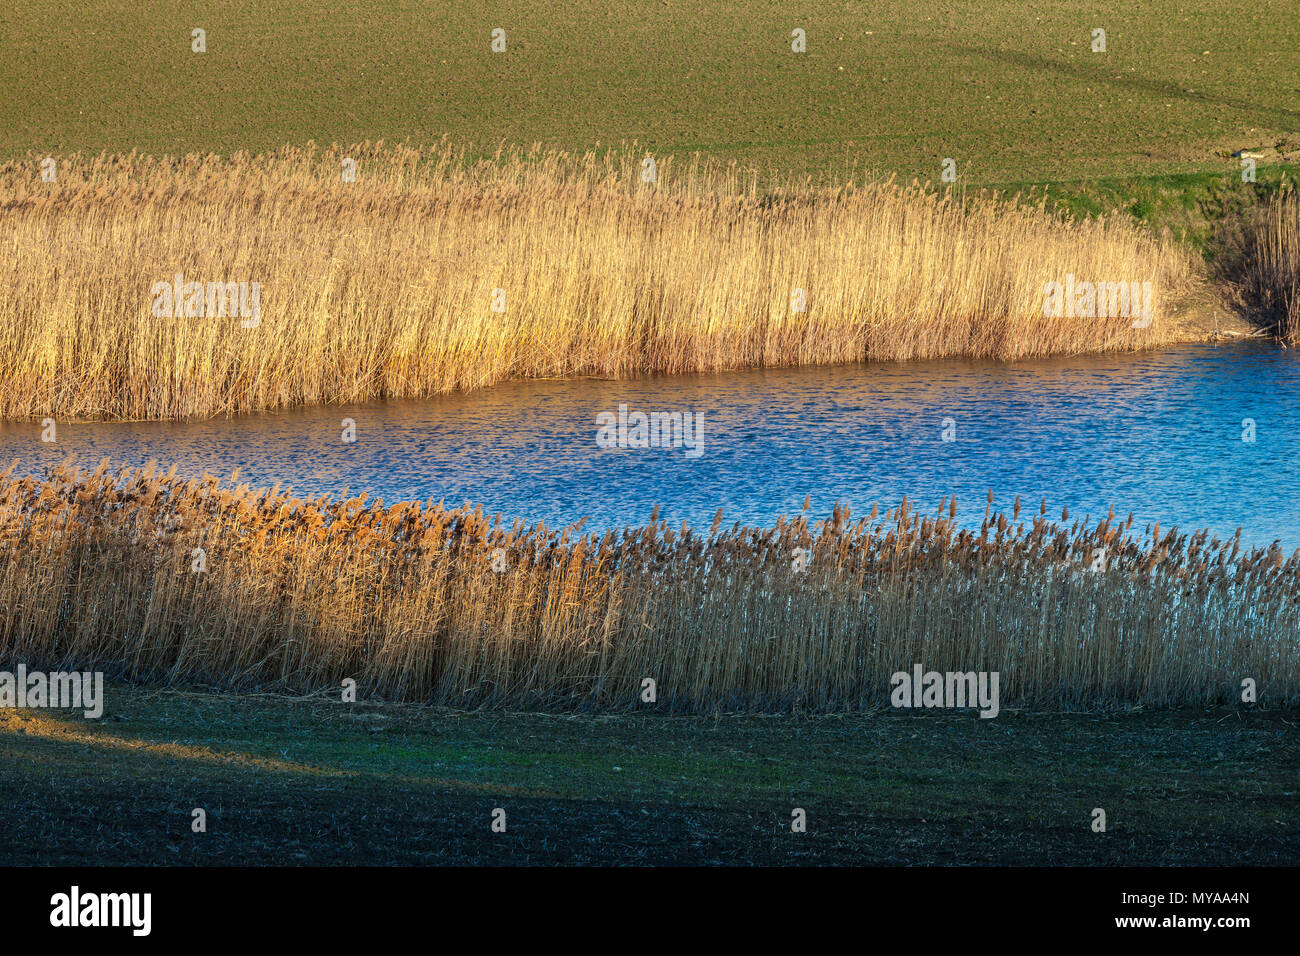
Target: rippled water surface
1155,433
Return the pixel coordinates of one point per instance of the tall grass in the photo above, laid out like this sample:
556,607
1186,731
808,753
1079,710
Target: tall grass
97,571
1265,263
384,287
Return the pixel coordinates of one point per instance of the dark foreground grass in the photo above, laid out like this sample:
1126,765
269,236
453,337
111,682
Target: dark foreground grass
317,782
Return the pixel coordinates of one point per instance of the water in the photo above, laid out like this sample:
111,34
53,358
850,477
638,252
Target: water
1155,433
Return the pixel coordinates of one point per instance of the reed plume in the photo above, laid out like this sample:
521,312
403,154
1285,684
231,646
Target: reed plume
155,578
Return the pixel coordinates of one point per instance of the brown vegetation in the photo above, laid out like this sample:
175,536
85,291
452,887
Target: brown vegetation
98,571
1264,263
384,287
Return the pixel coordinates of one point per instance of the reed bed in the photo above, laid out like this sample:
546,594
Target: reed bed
385,287
97,572
1265,264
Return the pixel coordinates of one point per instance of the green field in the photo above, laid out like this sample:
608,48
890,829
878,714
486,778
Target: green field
314,781
1010,90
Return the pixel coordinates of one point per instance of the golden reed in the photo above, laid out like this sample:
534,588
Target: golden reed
417,602
1266,265
385,287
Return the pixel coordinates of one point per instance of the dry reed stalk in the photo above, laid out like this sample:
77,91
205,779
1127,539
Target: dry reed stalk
96,572
384,287
1265,263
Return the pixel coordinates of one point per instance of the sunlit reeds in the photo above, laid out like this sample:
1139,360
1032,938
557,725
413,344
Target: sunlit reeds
1265,263
384,287
97,571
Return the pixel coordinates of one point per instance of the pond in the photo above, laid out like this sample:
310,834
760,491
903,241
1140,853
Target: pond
1195,436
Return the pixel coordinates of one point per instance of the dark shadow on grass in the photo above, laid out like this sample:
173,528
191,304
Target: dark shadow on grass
1264,115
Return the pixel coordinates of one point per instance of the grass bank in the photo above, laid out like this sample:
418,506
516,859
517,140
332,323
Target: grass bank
155,579
431,273
1200,211
318,782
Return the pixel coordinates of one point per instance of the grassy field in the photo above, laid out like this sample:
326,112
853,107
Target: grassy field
1012,91
318,782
